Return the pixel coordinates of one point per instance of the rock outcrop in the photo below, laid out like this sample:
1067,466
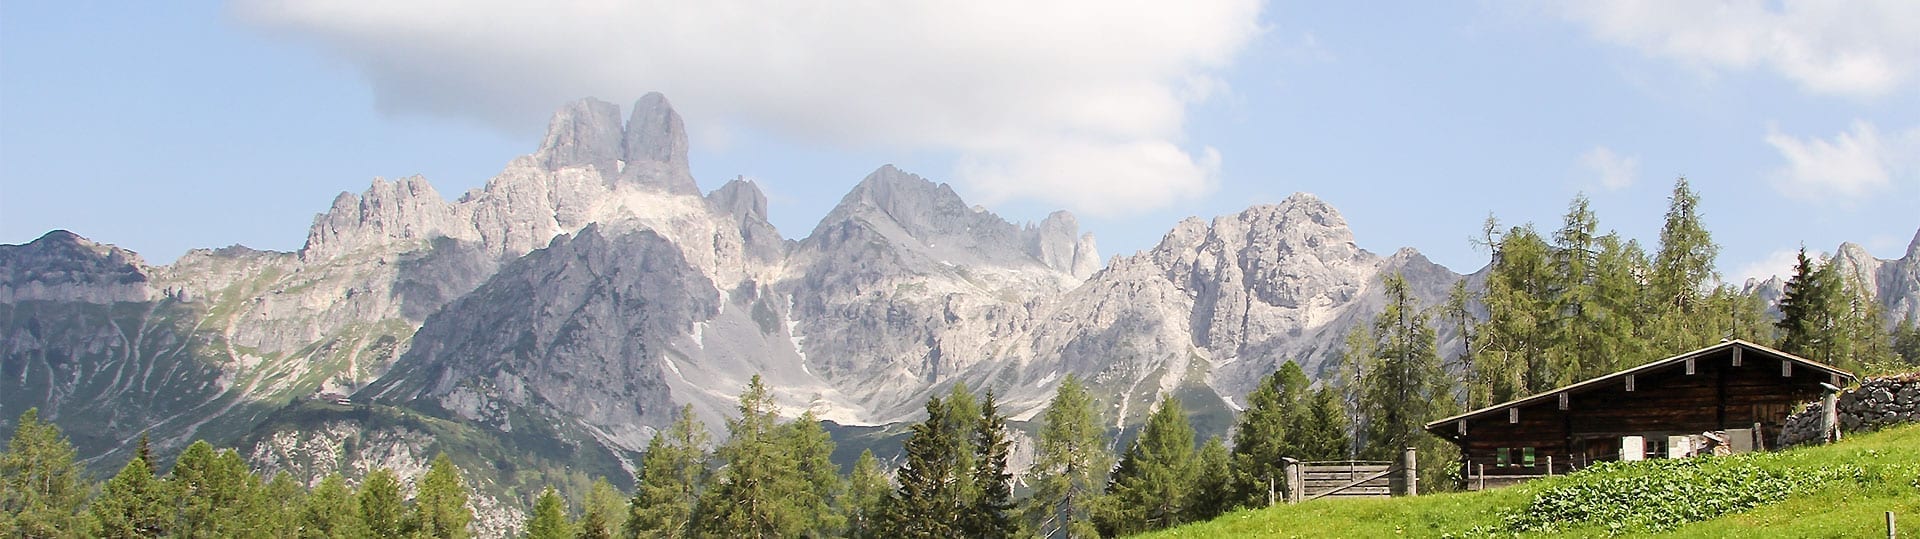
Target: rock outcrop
61,266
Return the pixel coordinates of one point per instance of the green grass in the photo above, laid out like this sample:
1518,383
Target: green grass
1842,490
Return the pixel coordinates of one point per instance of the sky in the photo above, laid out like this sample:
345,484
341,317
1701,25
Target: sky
162,127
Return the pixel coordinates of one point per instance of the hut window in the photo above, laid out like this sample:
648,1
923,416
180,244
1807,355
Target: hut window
1629,382
1513,415
1690,367
1786,368
1502,457
1526,456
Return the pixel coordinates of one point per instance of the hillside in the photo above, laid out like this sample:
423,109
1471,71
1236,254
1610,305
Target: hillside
1841,490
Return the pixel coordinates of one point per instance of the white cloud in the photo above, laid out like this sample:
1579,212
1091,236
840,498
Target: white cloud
1865,48
1853,163
1777,263
1614,171
999,82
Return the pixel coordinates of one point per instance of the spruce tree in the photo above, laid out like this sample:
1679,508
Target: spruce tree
669,482
381,509
42,490
928,502
758,486
549,520
1322,431
134,504
1213,483
1906,342
1810,311
1401,384
1153,486
440,508
867,491
1070,464
1261,436
991,495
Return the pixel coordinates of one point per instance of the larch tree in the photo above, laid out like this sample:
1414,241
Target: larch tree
440,508
867,490
669,482
1070,465
758,489
382,510
42,490
134,504
549,520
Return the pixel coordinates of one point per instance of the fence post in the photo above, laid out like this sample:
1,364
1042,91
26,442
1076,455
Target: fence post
1549,465
1483,477
1891,532
1293,478
1411,468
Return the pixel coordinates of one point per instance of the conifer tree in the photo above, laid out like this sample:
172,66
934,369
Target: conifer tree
280,501
381,509
991,495
928,502
1684,265
1401,385
1213,484
1070,464
440,508
1261,436
758,486
42,490
218,495
1322,430
1811,311
1906,342
134,504
1153,485
331,511
549,520
668,486
867,492
811,450
602,513
1512,348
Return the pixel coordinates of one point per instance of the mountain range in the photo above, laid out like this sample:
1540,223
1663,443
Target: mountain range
544,326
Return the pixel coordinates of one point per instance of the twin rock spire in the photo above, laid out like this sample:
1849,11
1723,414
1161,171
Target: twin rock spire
649,149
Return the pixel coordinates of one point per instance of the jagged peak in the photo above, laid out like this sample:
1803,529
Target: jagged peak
899,194
740,197
584,132
655,132
1913,247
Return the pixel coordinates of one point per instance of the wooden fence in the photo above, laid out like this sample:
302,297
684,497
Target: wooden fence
1352,479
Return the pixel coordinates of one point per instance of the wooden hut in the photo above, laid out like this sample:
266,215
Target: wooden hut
1736,394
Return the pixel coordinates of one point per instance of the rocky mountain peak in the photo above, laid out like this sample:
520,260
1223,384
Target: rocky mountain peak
586,132
655,147
387,212
740,198
63,266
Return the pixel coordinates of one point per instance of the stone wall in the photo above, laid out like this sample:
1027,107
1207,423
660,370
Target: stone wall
1874,404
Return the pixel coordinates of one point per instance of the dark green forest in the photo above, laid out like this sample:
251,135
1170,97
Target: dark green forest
1556,308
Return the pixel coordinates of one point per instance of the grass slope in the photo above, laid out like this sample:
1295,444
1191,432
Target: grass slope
1842,490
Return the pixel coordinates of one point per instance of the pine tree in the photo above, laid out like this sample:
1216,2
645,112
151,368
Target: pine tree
602,512
992,494
440,508
928,502
42,490
867,492
1153,485
668,486
1070,464
758,486
332,511
134,504
1213,484
381,509
1261,438
549,520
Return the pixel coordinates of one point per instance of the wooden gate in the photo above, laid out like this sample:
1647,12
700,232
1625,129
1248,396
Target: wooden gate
1351,479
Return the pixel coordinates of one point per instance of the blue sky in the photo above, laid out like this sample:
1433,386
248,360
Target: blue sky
197,124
